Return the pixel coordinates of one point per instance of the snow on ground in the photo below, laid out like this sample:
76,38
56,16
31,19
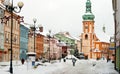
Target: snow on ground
101,67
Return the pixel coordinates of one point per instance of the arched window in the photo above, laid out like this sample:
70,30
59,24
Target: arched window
93,36
86,36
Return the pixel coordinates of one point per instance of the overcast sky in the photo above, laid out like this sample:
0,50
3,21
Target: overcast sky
66,15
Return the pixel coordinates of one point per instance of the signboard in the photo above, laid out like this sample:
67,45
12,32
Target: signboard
112,46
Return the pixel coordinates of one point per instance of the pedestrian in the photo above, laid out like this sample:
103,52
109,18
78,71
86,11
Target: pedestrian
108,58
64,60
103,58
22,61
74,61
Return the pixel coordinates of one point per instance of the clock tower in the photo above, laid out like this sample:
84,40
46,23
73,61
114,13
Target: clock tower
88,35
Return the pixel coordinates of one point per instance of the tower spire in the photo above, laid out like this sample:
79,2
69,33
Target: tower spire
88,6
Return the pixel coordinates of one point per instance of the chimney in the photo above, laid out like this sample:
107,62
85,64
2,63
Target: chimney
41,28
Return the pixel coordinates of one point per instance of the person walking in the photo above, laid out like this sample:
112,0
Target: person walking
74,61
22,61
108,59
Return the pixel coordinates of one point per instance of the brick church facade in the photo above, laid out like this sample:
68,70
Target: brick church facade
93,45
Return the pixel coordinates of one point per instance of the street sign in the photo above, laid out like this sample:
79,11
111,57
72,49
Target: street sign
112,46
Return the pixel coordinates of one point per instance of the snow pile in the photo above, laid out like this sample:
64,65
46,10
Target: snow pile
70,57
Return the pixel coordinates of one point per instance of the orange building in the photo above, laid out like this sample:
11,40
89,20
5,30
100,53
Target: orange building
94,44
39,45
39,41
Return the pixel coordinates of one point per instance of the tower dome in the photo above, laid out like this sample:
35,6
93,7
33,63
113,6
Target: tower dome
88,14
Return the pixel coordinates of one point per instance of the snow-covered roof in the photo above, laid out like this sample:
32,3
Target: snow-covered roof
68,36
42,33
25,24
71,56
103,37
76,38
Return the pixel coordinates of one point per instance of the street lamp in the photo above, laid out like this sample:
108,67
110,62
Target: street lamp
33,28
49,36
10,8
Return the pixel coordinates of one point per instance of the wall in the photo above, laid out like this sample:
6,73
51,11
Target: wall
23,41
16,37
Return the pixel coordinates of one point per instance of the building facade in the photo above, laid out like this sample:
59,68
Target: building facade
88,35
116,9
39,45
23,41
92,44
6,30
15,36
39,42
1,33
68,42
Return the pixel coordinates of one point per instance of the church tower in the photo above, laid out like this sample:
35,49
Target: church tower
88,34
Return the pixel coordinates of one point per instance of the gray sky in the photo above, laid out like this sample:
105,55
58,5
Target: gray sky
66,15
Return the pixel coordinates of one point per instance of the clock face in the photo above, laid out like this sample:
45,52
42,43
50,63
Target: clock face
1,13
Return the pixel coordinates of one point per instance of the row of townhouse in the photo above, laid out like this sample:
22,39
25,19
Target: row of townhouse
23,40
45,46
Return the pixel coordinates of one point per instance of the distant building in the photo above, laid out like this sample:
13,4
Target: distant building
23,41
68,42
39,42
52,48
94,44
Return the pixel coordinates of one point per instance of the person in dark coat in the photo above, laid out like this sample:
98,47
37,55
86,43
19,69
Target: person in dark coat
22,61
74,61
108,59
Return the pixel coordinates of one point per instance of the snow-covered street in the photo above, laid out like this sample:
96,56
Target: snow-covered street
81,67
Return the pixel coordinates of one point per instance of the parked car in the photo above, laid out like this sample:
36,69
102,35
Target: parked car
44,60
81,55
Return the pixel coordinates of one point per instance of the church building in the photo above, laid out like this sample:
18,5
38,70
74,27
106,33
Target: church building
94,44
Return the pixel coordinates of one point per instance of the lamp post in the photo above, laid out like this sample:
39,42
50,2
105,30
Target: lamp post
34,20
33,28
10,8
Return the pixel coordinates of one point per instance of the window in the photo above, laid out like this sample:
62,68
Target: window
9,23
9,37
93,36
86,27
86,36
